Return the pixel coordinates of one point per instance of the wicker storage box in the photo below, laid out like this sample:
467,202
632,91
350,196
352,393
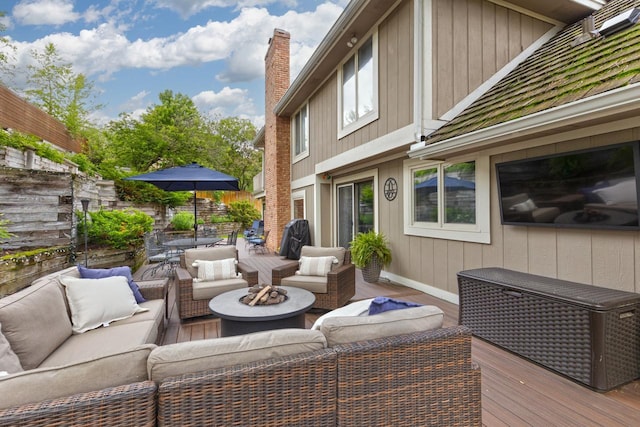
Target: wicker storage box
587,333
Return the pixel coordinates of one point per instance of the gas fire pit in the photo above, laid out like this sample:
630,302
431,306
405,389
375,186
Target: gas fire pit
238,317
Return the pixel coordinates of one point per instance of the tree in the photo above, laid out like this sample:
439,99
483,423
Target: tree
55,88
171,133
242,160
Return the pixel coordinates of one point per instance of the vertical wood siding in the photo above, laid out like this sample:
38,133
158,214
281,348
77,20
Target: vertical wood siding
462,60
395,96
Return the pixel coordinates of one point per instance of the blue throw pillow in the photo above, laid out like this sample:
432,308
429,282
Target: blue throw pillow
382,304
101,273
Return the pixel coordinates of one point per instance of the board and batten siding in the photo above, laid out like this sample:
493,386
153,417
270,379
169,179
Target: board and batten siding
607,258
472,40
395,96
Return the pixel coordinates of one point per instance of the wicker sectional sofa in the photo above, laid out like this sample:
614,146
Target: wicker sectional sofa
92,367
396,368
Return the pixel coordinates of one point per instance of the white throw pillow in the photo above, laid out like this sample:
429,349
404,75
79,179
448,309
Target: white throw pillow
316,266
216,270
97,302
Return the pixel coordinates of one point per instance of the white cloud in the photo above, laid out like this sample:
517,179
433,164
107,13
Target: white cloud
137,102
45,12
227,102
241,42
6,22
188,8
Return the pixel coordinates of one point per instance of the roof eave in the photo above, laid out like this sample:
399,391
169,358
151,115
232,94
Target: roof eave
611,103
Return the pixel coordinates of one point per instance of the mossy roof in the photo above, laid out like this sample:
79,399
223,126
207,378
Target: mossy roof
558,73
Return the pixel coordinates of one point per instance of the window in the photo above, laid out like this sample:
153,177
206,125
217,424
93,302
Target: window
301,133
448,199
358,89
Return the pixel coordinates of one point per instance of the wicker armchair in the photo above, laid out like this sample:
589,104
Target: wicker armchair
332,291
198,305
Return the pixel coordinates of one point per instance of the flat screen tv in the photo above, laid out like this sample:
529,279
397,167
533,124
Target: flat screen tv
595,188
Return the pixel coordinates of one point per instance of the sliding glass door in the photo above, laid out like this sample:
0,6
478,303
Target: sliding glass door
356,213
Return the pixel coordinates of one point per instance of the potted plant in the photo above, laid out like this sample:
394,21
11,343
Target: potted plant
370,252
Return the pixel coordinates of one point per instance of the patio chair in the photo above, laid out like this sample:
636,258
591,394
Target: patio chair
232,239
193,296
158,255
256,229
258,243
333,289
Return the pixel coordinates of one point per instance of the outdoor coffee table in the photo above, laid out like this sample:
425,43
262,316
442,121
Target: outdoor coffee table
237,318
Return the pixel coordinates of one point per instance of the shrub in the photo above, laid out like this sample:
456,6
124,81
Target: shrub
119,229
183,221
217,219
243,212
22,141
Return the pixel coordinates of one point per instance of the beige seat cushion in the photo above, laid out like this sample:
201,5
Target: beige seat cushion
195,356
209,289
35,320
102,341
315,284
317,251
37,385
346,329
207,254
154,314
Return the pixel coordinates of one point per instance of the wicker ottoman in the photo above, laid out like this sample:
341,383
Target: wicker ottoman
587,333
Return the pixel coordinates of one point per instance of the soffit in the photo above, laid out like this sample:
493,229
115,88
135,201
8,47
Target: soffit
566,11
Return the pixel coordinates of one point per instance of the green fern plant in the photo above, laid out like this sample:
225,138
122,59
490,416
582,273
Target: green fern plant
365,245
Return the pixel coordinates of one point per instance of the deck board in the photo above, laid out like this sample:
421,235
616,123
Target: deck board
515,391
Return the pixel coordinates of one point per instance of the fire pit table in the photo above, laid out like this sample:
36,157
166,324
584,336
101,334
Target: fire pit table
237,318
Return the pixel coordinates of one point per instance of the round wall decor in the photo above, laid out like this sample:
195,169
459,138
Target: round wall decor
390,189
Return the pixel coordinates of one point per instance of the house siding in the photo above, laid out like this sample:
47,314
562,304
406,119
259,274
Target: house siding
395,95
472,40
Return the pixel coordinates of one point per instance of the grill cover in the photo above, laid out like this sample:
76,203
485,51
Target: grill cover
294,237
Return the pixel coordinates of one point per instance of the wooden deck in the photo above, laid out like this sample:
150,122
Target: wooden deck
515,392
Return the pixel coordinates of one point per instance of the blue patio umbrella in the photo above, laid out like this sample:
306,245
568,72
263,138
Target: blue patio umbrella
191,177
450,183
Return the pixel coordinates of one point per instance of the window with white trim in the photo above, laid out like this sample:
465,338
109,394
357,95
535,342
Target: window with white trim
448,200
300,133
358,100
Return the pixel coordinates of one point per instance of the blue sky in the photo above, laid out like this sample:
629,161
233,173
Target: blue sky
210,50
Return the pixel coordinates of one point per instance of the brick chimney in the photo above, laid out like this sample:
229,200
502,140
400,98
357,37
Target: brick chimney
277,147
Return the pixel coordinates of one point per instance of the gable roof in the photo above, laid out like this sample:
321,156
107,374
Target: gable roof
557,74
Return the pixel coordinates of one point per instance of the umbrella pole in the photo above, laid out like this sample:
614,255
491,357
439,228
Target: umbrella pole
195,217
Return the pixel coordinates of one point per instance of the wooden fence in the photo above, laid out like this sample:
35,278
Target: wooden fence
18,114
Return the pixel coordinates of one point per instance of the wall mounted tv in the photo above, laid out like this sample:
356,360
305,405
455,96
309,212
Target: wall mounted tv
595,188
